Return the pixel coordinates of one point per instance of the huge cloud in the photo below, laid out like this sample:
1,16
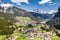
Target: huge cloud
44,1
19,1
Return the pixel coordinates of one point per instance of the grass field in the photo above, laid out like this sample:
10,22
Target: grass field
20,37
2,37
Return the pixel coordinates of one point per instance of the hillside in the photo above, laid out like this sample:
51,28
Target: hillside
24,20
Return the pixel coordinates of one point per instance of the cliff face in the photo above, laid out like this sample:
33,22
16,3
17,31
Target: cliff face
56,20
57,14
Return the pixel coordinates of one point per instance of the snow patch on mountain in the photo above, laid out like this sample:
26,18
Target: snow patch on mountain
43,12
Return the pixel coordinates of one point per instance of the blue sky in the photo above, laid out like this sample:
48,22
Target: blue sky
44,5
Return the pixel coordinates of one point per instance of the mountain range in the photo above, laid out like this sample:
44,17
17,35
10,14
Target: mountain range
14,11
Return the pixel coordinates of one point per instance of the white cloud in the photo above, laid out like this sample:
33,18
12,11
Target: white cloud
44,1
52,12
19,1
6,5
